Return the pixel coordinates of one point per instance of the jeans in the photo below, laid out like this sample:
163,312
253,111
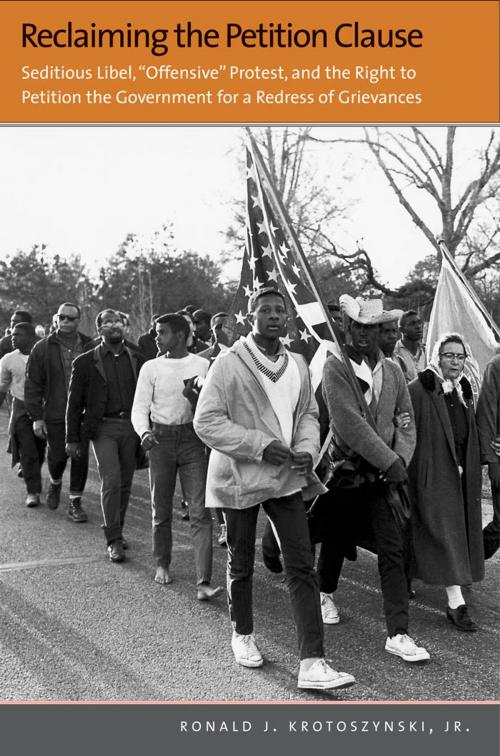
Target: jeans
57,458
289,518
367,508
31,454
115,448
180,450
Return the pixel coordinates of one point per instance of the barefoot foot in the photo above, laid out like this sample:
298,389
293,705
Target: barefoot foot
162,577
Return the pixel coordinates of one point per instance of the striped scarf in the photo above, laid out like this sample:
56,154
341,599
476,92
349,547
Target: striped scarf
273,375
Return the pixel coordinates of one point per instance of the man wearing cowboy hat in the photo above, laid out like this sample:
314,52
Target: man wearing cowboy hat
363,512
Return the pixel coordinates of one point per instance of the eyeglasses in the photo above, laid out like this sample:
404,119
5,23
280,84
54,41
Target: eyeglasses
452,356
71,318
117,321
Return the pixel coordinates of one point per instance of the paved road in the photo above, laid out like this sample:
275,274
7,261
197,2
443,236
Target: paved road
75,627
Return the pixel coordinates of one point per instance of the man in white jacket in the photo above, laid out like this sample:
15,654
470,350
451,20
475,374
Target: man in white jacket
258,414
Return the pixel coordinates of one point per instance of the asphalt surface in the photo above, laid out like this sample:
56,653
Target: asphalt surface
74,627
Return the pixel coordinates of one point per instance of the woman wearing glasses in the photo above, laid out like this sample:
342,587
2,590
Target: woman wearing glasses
445,479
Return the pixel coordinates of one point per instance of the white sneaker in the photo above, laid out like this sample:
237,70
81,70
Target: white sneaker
406,648
320,676
245,650
329,611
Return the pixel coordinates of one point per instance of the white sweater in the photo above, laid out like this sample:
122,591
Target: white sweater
158,394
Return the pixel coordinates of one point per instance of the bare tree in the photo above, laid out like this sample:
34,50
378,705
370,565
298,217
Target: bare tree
413,161
312,202
309,203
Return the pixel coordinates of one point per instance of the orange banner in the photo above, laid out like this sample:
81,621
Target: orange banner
250,62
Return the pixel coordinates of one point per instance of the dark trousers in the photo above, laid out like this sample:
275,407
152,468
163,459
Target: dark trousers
31,454
289,518
491,533
364,514
179,450
57,458
115,448
270,546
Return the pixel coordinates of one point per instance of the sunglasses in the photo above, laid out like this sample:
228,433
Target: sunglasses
71,318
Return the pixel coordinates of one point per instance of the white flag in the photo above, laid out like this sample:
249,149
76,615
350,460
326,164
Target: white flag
455,310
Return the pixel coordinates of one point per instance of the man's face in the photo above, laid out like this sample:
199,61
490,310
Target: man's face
387,337
364,337
166,339
412,328
221,334
67,319
20,338
269,316
112,327
201,328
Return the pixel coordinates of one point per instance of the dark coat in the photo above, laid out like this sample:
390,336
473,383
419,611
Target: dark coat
488,411
45,386
446,522
147,344
87,393
6,345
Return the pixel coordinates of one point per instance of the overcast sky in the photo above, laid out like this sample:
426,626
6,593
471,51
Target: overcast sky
82,189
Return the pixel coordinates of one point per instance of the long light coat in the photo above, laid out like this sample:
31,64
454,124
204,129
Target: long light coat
235,418
446,530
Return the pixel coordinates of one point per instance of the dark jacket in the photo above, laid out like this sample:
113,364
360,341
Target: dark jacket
45,392
198,346
147,344
488,411
446,519
87,394
6,345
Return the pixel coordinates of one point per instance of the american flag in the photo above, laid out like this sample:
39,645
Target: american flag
271,259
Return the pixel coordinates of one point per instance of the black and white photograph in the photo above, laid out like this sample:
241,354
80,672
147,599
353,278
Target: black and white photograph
249,414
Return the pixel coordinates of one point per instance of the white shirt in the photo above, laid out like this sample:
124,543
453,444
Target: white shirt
158,394
13,373
284,393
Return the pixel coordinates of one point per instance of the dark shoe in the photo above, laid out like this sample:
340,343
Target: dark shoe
115,551
32,500
461,619
54,495
491,540
76,511
273,564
